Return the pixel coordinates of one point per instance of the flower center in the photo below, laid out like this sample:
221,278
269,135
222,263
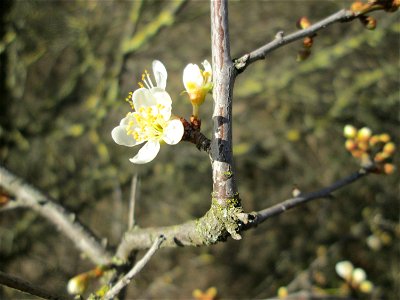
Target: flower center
148,124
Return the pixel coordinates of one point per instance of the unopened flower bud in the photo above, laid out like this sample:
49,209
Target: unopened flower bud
78,284
358,276
344,269
350,145
303,23
364,146
350,131
303,54
308,42
357,6
357,153
389,148
366,287
384,138
282,292
380,157
388,169
368,22
374,140
364,134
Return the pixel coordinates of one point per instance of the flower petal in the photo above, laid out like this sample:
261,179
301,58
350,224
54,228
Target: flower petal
207,66
143,98
163,98
147,153
192,75
160,74
173,132
121,137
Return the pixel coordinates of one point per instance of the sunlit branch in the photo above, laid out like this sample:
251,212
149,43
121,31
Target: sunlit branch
124,281
27,287
67,222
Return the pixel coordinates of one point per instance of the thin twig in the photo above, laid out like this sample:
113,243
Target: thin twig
279,208
67,222
132,202
27,287
124,281
281,40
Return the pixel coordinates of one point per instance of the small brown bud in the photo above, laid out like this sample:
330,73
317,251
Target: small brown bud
303,54
368,22
308,42
303,23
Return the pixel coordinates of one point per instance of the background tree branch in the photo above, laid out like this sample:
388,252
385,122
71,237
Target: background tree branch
27,287
66,222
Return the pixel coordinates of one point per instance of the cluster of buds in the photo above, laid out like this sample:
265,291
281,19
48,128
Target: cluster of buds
372,150
77,285
360,9
308,41
355,278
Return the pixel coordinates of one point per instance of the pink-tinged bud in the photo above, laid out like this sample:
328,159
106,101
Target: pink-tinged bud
364,134
303,23
350,145
389,148
388,169
349,131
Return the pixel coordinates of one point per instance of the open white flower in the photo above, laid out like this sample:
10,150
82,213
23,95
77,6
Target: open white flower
197,82
152,121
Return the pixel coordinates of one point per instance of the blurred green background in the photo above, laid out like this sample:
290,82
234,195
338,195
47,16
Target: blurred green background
66,68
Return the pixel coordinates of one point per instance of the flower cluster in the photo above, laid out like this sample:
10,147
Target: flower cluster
356,278
152,121
372,150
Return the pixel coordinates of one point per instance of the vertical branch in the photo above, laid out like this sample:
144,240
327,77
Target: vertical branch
224,186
